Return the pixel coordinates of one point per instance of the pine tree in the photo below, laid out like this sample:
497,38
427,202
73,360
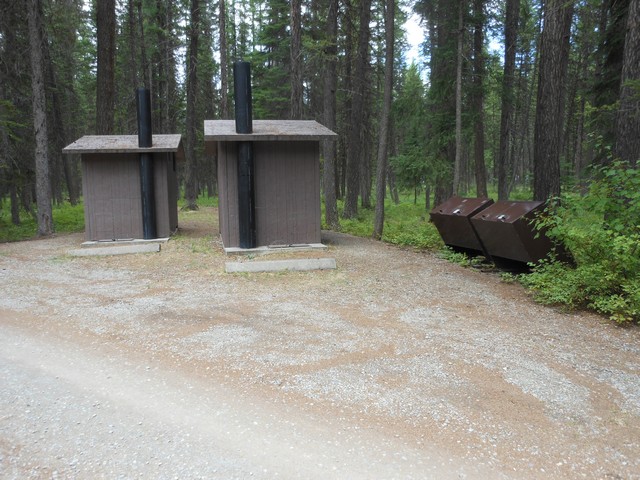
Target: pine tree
43,181
554,52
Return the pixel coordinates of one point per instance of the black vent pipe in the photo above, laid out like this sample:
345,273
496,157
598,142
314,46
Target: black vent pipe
246,195
242,96
145,140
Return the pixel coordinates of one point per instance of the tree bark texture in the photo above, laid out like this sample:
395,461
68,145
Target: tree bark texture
106,48
554,53
457,167
39,107
143,49
224,60
356,131
627,145
381,176
191,187
506,117
478,98
442,98
132,27
329,115
296,59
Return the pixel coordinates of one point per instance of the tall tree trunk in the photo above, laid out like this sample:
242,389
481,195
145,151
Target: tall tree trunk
478,98
356,132
627,136
344,146
609,72
143,49
191,188
106,48
132,27
381,177
329,110
296,59
554,54
224,62
506,118
457,167
366,145
55,125
442,98
171,98
43,183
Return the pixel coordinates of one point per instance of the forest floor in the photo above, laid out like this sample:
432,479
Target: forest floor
397,364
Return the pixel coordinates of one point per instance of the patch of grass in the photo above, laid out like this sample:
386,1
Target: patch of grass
458,258
405,224
67,218
203,201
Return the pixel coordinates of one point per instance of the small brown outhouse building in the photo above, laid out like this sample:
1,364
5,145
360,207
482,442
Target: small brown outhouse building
111,184
286,158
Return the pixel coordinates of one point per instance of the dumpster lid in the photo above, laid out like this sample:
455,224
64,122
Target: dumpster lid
461,206
509,211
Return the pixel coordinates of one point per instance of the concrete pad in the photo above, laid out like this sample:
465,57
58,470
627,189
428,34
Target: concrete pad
302,264
264,250
116,250
122,241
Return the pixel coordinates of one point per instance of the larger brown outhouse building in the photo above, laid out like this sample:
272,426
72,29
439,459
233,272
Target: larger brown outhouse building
286,157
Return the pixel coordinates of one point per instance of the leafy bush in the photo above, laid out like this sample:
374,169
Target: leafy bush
601,231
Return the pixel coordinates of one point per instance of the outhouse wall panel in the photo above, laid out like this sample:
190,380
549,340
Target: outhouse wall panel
287,192
287,196
165,192
172,197
228,193
111,189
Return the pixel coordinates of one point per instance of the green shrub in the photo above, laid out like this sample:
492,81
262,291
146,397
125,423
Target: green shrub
601,231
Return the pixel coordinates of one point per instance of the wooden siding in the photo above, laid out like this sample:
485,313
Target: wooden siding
228,193
165,192
111,189
112,195
287,192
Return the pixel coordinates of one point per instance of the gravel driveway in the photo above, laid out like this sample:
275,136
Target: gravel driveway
395,365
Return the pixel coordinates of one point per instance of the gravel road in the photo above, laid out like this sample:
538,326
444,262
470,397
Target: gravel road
395,365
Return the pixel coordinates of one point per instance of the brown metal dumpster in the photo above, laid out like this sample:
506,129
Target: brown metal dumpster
453,221
506,230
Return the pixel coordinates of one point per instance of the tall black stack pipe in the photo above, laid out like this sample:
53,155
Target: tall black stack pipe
145,140
246,195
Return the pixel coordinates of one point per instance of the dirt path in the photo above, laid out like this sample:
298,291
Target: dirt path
395,365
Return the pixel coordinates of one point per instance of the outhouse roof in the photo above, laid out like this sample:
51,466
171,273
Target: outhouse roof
267,130
125,144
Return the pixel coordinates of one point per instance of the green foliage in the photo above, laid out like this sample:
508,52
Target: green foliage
601,230
270,64
410,165
67,218
458,258
7,115
405,224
